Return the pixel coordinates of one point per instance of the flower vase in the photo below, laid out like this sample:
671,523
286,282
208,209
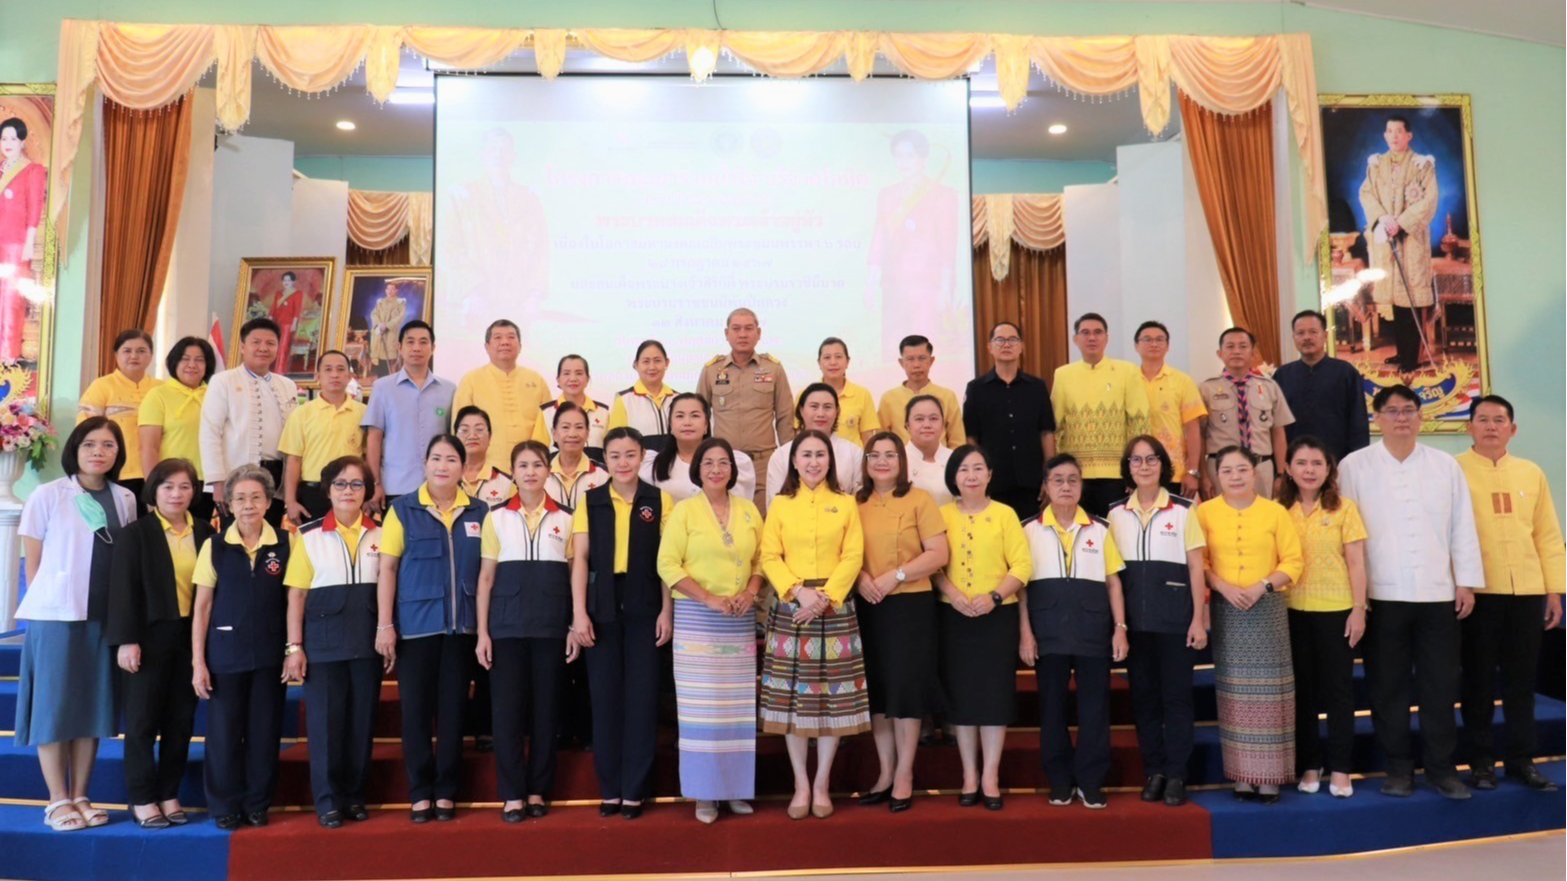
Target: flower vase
11,462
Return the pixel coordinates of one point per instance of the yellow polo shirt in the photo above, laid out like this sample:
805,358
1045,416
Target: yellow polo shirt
1520,540
895,404
986,548
392,538
1323,585
117,397
318,432
301,572
1173,401
811,535
1098,408
856,413
206,575
176,408
579,525
511,400
182,550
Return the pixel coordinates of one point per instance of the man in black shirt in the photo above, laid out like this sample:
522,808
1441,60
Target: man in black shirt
1326,395
1008,412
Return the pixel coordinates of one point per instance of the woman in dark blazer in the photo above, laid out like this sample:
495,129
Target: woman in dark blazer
151,595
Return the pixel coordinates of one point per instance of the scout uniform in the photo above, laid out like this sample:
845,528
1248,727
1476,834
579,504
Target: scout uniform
317,433
1243,414
597,413
753,407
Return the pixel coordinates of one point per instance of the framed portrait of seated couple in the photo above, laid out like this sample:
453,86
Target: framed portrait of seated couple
1401,271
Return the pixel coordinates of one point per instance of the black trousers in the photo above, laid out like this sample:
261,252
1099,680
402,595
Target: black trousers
160,708
1324,683
623,673
314,499
1099,493
433,673
526,682
1087,764
1406,337
1159,666
341,698
1422,636
1023,500
244,722
1502,632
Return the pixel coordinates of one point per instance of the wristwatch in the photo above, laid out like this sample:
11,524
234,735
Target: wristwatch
900,575
1267,586
292,648
1192,472
997,597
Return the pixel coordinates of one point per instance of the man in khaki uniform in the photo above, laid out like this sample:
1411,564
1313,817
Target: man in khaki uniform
753,407
1399,199
1245,409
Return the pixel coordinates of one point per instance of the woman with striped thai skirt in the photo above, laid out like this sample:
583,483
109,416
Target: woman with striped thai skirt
813,676
709,557
1253,555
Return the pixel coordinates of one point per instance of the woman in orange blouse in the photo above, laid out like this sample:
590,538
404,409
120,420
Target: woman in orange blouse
1253,555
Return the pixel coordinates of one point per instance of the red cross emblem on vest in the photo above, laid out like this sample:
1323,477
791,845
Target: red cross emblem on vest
1090,542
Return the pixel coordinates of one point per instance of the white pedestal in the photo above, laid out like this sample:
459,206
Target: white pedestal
10,566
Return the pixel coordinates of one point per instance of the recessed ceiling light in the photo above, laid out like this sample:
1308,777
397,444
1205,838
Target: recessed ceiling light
1057,129
346,125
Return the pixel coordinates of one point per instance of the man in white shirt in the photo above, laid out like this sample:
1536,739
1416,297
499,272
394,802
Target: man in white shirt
243,415
1423,566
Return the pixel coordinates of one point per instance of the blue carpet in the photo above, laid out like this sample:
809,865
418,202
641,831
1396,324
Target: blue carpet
118,850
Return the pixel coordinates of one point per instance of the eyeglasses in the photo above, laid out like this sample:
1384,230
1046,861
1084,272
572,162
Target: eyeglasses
345,485
1400,413
1153,339
1006,340
1135,461
1063,482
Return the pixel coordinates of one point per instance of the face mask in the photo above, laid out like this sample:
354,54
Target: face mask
92,512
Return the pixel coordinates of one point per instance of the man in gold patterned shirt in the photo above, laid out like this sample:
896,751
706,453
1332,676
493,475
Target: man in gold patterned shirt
1100,403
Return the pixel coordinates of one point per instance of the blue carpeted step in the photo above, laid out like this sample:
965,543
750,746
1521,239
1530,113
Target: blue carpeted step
10,658
120,850
1300,825
291,714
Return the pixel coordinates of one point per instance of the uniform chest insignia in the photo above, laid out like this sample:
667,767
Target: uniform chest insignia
646,513
555,530
762,377
273,567
1169,526
1090,544
831,509
375,549
723,378
473,530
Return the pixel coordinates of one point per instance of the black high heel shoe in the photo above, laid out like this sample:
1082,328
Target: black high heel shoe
995,803
630,812
608,809
968,799
875,797
421,815
899,805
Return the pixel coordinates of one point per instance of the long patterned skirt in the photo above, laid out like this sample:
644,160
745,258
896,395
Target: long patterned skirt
813,675
715,693
1254,681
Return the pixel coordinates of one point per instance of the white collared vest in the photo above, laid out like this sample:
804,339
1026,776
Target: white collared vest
1068,604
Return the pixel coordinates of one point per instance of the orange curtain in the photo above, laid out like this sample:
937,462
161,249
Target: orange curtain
1033,295
146,155
1232,157
396,255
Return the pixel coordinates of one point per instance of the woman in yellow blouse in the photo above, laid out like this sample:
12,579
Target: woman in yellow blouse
979,620
1327,613
118,395
1253,555
857,419
813,676
905,544
169,423
710,557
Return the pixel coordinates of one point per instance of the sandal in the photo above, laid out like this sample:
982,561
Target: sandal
67,821
94,816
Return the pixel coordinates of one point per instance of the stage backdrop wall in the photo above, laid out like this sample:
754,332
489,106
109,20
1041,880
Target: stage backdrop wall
1521,186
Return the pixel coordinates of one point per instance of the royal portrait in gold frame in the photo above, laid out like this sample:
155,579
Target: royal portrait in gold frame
1400,266
375,303
28,245
295,292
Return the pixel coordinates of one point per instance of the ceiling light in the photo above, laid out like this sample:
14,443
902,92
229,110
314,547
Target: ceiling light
346,125
412,96
979,102
1057,129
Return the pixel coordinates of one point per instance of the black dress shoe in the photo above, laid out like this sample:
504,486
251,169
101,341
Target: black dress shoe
1531,777
995,803
630,812
158,821
1483,777
330,820
1245,795
1153,790
899,805
357,813
447,813
226,822
968,799
1398,787
1175,793
256,818
421,815
608,808
875,797
516,815
537,810
177,818
1268,798
1452,788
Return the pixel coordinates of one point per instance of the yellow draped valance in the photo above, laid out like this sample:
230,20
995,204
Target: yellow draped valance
379,220
147,66
1032,221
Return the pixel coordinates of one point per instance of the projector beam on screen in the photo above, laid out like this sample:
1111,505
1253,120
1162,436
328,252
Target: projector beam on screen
600,211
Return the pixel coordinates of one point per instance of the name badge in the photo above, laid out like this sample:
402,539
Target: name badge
473,529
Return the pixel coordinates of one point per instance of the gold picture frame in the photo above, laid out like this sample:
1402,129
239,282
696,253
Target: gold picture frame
34,104
1363,272
301,306
365,330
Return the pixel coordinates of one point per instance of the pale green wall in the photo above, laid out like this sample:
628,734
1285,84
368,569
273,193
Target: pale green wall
1518,91
402,174
1024,176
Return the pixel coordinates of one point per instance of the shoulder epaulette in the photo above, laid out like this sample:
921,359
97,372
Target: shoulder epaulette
717,359
768,357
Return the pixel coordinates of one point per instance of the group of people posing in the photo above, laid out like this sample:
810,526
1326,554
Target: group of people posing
498,548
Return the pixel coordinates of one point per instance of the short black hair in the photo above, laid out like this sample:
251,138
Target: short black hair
832,341
1498,400
1166,465
497,323
1000,324
255,324
1402,119
1309,313
416,324
17,124
177,352
1248,455
331,470
920,399
956,462
914,341
161,473
701,450
1090,316
134,333
561,364
562,410
1060,459
1383,396
450,440
1137,337
471,410
814,388
1249,335
625,432
530,446
68,453
649,344
338,352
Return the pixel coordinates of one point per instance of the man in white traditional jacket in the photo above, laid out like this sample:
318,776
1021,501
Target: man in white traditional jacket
243,415
1399,198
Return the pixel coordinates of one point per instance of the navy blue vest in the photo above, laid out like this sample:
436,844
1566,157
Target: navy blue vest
641,592
249,608
438,573
531,596
340,607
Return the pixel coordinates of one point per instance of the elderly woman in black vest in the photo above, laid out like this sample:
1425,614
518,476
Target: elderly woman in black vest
621,616
237,651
